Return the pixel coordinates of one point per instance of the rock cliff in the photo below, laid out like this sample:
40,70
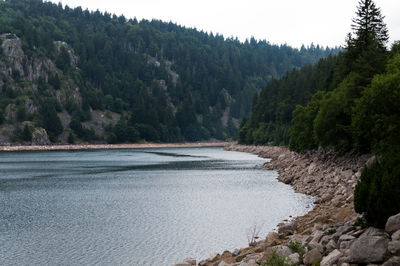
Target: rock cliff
29,81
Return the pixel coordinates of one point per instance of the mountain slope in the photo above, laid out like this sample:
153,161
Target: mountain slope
88,76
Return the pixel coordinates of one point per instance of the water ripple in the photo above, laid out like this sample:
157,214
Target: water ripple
134,207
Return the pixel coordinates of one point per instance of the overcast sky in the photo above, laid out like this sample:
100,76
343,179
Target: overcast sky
294,22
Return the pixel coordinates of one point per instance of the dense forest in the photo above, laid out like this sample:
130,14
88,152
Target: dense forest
92,76
349,103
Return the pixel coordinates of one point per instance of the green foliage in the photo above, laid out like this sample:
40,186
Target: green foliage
361,221
377,194
63,60
245,135
71,138
16,75
54,81
297,247
81,132
50,120
21,112
302,126
27,133
376,118
275,260
331,231
175,80
273,108
1,116
330,118
10,92
148,132
333,120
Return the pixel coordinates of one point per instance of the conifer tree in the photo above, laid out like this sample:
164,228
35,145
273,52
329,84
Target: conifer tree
366,51
368,27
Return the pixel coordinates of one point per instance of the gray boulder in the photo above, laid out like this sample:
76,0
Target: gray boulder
371,246
312,256
271,239
394,247
287,227
396,235
293,259
40,137
393,223
283,251
332,258
393,261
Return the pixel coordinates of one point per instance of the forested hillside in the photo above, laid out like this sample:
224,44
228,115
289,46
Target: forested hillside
77,75
349,103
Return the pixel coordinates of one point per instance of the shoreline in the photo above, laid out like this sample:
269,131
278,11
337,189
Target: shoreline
66,147
327,234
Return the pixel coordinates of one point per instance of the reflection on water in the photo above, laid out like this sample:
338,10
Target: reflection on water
134,207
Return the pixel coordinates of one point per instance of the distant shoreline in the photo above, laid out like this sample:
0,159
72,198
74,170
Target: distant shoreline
110,146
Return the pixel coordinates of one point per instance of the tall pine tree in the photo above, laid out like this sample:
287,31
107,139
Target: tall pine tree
366,51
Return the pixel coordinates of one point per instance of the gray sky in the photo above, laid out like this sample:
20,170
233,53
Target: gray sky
294,22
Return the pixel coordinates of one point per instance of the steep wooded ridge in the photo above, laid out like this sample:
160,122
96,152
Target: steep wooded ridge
71,75
346,103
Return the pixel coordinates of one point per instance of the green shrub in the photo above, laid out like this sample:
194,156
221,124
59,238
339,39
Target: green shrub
377,194
331,230
275,260
297,247
361,222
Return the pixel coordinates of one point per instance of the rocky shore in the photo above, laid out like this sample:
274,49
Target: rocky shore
331,233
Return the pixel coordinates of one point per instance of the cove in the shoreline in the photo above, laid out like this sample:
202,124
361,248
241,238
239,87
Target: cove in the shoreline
135,207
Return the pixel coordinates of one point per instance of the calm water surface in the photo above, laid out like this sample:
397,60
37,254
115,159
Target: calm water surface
135,207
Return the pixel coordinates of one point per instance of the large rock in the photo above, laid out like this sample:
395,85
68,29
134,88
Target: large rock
282,251
332,258
371,246
331,245
39,137
272,239
396,235
393,223
214,257
312,256
287,227
293,259
393,261
394,247
311,168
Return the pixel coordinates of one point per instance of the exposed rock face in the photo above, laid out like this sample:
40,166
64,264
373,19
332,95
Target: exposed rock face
39,137
16,60
10,112
72,56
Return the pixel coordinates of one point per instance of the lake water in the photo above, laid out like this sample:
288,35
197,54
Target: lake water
135,207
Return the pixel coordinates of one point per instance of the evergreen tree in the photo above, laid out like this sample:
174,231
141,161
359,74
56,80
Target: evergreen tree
26,133
368,27
366,51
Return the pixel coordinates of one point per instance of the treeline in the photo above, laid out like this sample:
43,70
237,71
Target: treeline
168,82
350,103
